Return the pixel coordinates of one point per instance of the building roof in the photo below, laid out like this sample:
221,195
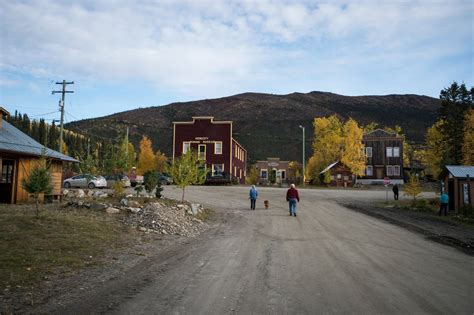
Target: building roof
380,133
461,171
329,167
15,141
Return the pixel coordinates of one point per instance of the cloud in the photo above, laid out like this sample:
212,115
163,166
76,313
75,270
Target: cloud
209,47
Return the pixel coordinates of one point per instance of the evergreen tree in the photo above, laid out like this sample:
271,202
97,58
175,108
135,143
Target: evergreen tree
468,142
39,180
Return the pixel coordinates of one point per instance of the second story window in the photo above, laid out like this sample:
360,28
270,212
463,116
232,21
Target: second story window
218,148
396,151
389,151
186,146
368,152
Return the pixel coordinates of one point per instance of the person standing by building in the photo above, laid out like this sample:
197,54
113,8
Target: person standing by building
292,197
253,194
395,191
444,201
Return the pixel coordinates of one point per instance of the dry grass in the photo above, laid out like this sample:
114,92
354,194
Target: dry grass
31,248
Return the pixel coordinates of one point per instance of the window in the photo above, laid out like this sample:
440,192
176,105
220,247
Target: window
202,152
396,151
368,151
339,176
217,169
186,146
389,152
389,170
369,170
346,178
218,147
283,174
7,174
396,170
264,174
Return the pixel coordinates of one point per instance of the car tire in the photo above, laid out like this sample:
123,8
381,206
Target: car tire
91,186
67,185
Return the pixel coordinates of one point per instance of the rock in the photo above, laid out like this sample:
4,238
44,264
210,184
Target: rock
180,206
112,210
65,192
129,196
98,206
102,195
90,193
124,202
80,193
134,204
143,229
80,203
134,210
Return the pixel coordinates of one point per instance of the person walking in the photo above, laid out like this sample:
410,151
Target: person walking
395,191
253,194
292,197
443,206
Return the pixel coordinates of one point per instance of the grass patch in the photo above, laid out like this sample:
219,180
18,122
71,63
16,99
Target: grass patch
31,248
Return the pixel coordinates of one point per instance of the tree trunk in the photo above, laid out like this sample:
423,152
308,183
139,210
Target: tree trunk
37,206
182,197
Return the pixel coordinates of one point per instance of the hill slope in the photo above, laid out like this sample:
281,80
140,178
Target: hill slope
266,124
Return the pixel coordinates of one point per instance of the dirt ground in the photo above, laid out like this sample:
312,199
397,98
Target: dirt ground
328,259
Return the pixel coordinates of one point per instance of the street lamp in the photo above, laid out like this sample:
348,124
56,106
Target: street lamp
303,155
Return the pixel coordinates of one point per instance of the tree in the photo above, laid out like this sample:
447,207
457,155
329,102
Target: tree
294,171
39,180
456,101
160,161
437,149
146,158
252,177
468,142
370,127
150,180
186,170
352,154
413,187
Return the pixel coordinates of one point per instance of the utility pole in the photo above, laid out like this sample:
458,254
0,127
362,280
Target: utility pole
126,152
302,127
61,107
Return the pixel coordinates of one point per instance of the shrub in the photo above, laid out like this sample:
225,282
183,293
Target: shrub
118,188
150,181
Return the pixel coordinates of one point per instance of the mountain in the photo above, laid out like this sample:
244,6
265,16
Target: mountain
266,124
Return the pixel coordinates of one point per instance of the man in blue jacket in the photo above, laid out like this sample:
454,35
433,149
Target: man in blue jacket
253,194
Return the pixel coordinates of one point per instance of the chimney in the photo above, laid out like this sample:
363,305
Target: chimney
3,113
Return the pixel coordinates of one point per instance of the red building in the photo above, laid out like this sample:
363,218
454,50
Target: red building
225,158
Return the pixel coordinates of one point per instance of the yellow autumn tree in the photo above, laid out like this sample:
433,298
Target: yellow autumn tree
160,161
468,141
353,155
413,187
252,177
436,149
327,144
146,158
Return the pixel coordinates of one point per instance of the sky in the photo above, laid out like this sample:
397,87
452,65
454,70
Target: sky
124,54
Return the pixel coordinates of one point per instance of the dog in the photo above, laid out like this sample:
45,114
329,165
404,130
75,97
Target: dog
266,203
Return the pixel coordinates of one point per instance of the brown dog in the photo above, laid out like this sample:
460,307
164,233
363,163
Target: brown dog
266,203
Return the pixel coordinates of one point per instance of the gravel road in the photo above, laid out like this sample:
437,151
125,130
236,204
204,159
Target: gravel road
326,260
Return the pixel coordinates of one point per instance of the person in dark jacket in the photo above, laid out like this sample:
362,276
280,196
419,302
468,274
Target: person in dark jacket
253,194
292,197
395,191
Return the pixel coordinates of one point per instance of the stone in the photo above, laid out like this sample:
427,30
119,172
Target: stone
134,210
129,196
80,203
112,210
134,204
65,192
195,208
98,206
90,193
80,193
124,202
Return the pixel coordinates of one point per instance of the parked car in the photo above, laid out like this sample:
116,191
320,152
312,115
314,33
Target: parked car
112,179
85,180
165,179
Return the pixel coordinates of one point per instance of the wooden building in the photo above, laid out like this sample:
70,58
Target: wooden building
272,168
18,155
341,175
458,183
384,151
225,159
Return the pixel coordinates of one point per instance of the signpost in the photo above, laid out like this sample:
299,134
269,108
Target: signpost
386,182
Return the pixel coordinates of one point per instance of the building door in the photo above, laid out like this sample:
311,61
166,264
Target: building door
6,180
451,194
379,172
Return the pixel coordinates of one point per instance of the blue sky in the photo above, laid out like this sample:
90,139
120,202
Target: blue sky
128,54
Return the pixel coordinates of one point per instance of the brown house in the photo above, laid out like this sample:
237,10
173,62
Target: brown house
225,159
18,154
341,175
272,167
384,151
458,183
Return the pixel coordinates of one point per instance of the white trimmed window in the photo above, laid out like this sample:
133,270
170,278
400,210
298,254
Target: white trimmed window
396,170
389,170
396,151
202,152
218,147
368,152
264,174
186,147
369,170
217,169
389,152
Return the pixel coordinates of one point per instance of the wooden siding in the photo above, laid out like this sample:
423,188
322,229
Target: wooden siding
379,142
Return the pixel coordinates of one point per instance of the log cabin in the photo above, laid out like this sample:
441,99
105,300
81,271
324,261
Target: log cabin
18,155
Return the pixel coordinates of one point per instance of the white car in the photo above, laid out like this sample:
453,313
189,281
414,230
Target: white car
85,180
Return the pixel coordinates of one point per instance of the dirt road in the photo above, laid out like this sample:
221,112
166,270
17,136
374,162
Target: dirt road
326,260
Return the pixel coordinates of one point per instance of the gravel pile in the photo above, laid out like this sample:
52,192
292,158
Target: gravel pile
168,220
